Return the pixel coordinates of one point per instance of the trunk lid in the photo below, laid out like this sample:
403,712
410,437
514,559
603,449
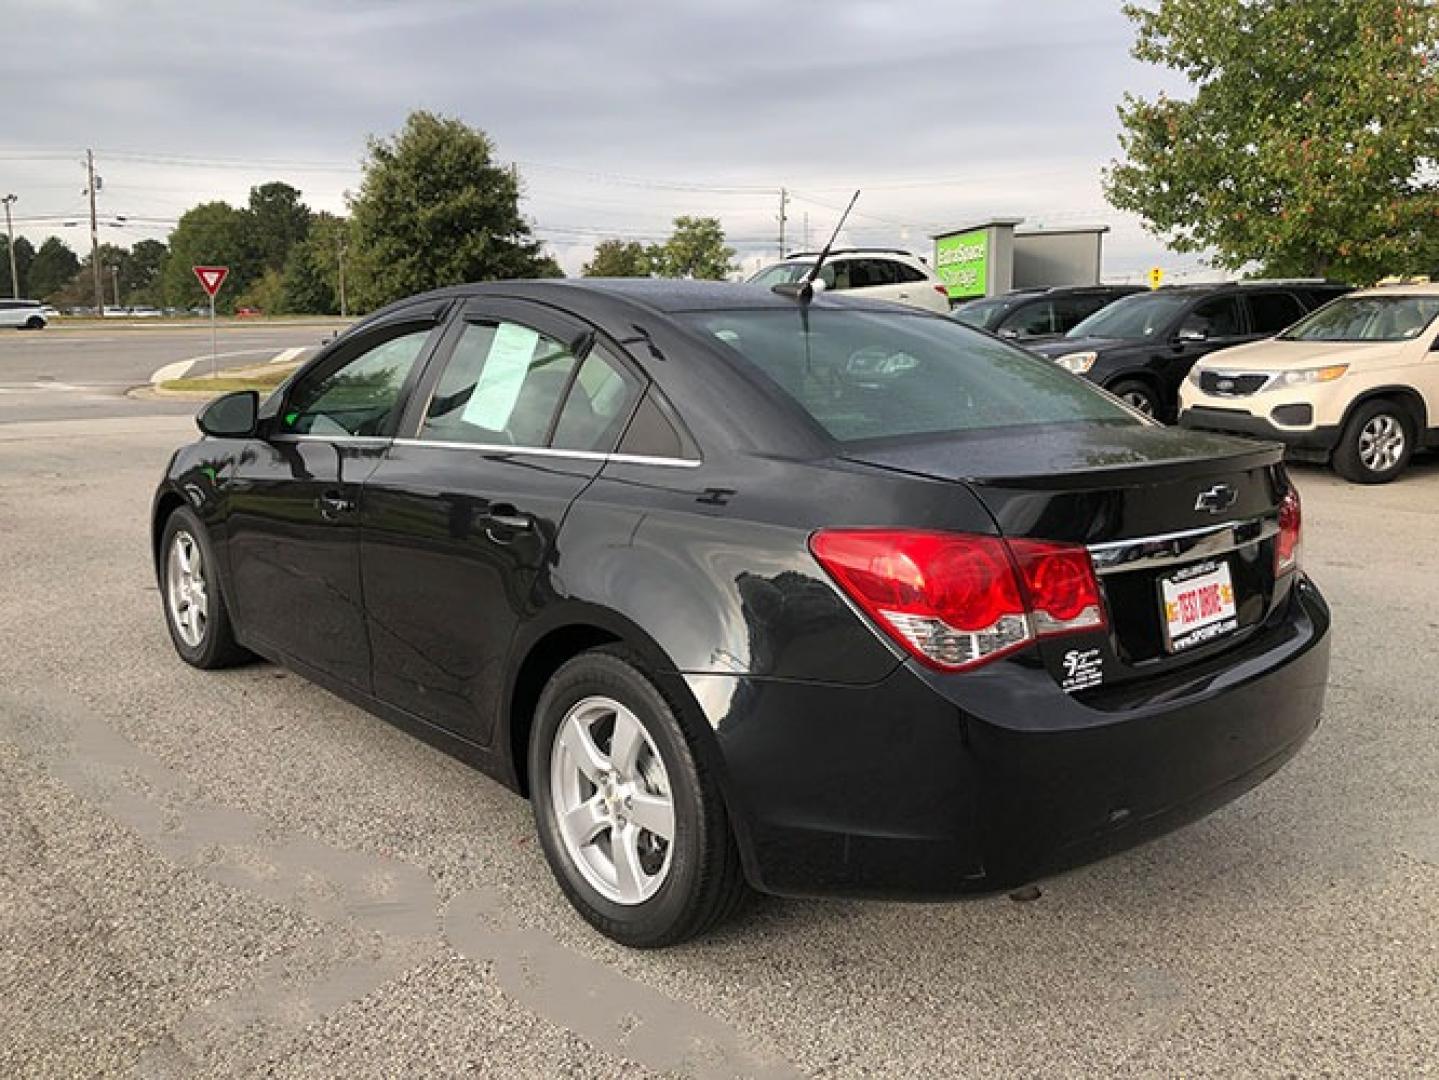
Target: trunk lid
1149,502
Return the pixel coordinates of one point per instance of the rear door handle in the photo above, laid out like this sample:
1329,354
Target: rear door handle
506,515
333,504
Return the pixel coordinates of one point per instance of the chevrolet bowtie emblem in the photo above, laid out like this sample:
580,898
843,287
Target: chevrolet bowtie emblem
1217,499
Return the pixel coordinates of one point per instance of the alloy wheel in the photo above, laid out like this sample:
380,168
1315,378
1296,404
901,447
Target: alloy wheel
1381,443
1138,399
612,801
186,592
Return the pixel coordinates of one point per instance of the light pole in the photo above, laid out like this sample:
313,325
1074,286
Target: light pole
340,261
10,232
115,280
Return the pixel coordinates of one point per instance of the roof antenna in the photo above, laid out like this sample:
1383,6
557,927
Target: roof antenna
803,291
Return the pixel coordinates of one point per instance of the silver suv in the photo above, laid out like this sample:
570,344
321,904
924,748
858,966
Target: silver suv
24,314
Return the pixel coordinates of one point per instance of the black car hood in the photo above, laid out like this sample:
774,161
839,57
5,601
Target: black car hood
1067,345
1060,456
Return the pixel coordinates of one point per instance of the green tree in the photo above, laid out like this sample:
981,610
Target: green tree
53,268
24,256
142,272
279,220
435,209
211,234
265,293
619,258
696,249
310,283
1309,143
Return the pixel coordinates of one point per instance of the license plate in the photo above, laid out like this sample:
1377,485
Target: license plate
1197,605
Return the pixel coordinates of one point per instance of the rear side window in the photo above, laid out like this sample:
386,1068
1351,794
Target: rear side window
870,273
599,403
906,273
501,386
870,375
1274,311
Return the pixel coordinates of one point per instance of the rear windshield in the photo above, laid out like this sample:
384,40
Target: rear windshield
1132,318
1367,318
874,375
782,273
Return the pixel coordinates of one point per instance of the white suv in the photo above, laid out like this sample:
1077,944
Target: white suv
24,314
877,273
1355,383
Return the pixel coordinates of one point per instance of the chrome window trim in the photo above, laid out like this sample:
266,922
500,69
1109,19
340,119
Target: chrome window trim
549,451
365,440
1149,552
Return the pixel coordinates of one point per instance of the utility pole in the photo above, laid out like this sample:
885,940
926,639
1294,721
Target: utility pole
10,232
340,261
783,202
94,234
115,280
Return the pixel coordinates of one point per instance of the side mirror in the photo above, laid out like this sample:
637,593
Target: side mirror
231,416
1193,333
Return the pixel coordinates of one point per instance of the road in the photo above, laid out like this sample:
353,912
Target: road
64,373
237,873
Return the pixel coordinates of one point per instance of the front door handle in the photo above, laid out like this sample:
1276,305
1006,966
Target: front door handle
333,504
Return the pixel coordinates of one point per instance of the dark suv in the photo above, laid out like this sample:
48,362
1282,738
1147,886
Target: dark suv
1029,316
1141,347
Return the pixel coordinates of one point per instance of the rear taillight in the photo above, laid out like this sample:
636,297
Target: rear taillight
943,290
1286,544
954,600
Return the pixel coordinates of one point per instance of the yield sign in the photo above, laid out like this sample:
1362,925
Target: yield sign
211,278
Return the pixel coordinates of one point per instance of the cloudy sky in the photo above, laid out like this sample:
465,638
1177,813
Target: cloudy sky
621,115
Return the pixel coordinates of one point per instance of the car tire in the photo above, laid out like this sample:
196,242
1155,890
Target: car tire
633,885
195,610
1138,395
1376,444
34,323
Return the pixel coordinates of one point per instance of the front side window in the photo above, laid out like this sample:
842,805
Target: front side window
1032,320
361,397
1216,318
1070,311
1135,318
1368,318
982,314
501,386
868,374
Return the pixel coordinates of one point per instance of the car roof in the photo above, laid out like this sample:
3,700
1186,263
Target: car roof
662,295
1416,289
850,251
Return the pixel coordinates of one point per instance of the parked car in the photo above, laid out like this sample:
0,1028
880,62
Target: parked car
1032,316
874,273
1142,347
247,312
742,591
1355,384
25,314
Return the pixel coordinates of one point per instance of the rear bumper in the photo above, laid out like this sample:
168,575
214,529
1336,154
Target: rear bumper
929,787
1320,439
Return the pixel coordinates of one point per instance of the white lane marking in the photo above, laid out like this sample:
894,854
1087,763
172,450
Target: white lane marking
172,371
180,367
287,355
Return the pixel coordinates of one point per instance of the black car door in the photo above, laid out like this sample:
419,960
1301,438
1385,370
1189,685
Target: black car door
512,420
292,528
1213,323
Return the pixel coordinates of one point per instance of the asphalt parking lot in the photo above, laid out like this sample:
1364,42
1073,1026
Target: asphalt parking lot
237,873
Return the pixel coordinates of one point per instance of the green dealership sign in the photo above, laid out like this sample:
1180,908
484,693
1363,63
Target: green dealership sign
962,262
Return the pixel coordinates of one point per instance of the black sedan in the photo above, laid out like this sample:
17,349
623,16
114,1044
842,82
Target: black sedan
742,589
